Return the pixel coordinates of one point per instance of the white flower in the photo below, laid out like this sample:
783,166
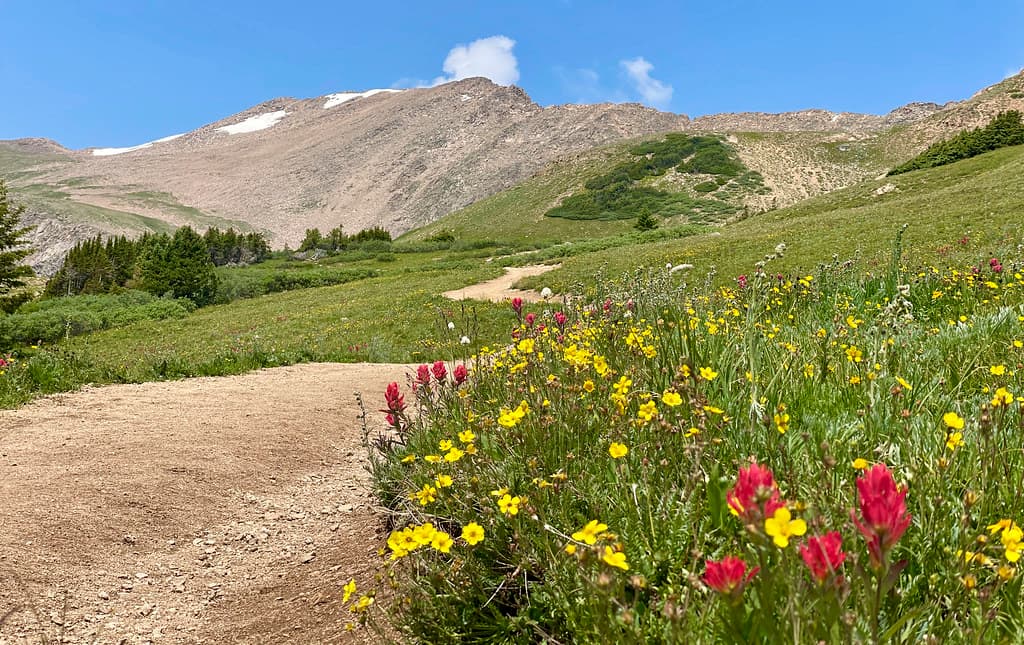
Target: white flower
680,267
464,340
545,293
451,325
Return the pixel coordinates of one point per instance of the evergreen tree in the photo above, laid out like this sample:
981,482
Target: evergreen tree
180,266
312,240
13,245
645,221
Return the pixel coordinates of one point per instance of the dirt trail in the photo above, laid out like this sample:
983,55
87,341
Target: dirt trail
207,510
500,289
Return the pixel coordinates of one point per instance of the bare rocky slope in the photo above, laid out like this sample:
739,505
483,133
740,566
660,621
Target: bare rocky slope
403,159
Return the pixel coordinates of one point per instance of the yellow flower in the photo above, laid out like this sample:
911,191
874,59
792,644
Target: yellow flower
589,532
782,422
499,492
349,589
853,354
408,459
691,432
509,505
472,533
432,459
453,455
808,370
622,385
441,541
860,463
953,421
1011,539
423,534
1002,397
854,380
708,374
467,436
588,385
671,398
997,370
615,558
600,365
526,346
617,450
906,386
954,440
1005,572
647,411
570,549
425,495
443,481
780,527
444,445
1001,525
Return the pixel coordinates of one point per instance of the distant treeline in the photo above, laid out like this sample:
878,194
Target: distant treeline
180,265
337,240
1006,129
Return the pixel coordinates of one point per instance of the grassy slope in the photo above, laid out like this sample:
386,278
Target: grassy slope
981,197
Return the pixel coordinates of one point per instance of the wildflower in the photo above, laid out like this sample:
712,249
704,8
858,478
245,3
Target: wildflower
780,527
853,354
823,555
671,398
444,445
615,558
423,534
472,533
461,374
570,549
617,450
588,386
560,318
393,398
453,455
1002,398
600,365
860,463
647,411
545,293
432,459
781,421
509,505
708,374
517,305
443,481
883,512
588,534
425,495
954,440
906,386
1005,572
755,494
997,370
408,459
728,576
808,370
622,385
467,436
423,375
465,340
953,421
349,589
525,346
440,373
441,541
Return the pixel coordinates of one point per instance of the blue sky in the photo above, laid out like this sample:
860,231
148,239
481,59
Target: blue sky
118,73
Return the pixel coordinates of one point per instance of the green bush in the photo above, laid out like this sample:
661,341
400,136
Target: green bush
706,187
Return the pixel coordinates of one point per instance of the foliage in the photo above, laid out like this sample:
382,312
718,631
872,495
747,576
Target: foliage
619,193
13,245
180,266
336,240
47,321
232,247
586,482
1005,129
645,221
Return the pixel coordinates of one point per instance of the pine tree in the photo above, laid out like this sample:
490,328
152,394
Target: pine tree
180,266
13,245
645,221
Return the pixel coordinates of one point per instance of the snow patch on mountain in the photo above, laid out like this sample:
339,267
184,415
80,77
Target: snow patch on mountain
254,123
344,97
106,152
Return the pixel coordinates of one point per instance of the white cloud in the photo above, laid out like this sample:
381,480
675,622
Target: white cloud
653,91
488,57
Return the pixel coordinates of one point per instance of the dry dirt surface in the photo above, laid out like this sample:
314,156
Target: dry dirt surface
501,289
211,510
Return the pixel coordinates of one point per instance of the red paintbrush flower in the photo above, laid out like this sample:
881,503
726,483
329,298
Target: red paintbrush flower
394,399
883,512
439,370
755,495
460,374
824,555
729,576
517,305
423,375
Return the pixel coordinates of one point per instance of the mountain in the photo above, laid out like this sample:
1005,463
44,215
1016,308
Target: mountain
402,159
